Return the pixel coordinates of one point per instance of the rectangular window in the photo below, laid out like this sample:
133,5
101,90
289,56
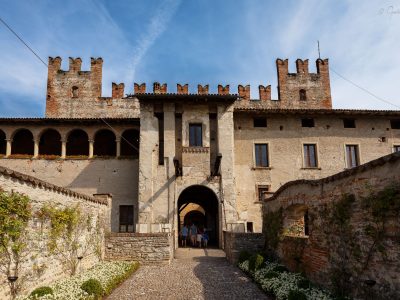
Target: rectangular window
307,122
395,124
349,123
310,155
261,153
396,148
249,226
260,122
352,156
195,135
126,218
263,192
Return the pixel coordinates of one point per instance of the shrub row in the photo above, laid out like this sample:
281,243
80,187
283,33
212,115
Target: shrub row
95,283
276,279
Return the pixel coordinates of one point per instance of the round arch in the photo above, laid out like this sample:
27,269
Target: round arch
130,143
3,143
104,143
50,142
22,142
77,143
205,198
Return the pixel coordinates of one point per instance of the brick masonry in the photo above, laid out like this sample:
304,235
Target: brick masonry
235,242
146,248
313,252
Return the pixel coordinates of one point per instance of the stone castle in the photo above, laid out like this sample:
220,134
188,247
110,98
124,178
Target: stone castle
169,158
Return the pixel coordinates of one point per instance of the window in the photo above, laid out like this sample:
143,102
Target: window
263,192
310,155
260,122
303,95
261,153
307,122
395,124
126,218
75,92
195,135
349,123
396,148
352,156
249,226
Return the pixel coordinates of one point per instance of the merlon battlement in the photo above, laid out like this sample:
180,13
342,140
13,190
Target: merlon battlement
75,65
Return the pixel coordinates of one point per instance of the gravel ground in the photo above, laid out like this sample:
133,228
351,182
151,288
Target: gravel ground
193,274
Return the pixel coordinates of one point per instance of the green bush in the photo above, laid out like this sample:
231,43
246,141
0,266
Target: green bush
93,287
271,275
280,269
296,295
41,291
243,256
303,283
255,262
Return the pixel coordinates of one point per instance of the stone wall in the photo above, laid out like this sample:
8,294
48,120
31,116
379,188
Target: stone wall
235,242
285,138
39,267
316,251
146,248
118,177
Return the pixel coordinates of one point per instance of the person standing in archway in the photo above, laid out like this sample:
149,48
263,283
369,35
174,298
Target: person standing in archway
193,234
184,234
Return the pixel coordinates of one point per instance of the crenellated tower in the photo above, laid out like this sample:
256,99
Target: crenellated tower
304,89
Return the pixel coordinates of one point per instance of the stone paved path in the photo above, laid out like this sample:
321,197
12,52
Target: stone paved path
194,274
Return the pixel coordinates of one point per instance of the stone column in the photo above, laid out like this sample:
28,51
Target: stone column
91,146
35,148
118,145
8,148
63,148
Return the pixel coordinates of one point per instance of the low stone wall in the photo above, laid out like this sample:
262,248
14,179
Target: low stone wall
38,266
338,240
235,242
146,248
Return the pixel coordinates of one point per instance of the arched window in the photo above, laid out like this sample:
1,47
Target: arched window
296,220
78,143
303,95
22,142
130,143
50,143
104,143
74,92
3,143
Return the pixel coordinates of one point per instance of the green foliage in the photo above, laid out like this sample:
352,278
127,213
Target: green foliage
110,286
93,287
273,224
255,262
41,291
280,269
271,274
296,295
303,283
341,210
243,256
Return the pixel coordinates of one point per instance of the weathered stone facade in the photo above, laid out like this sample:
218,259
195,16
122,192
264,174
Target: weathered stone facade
38,266
146,248
87,148
235,242
312,244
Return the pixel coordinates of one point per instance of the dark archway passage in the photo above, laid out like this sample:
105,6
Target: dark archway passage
104,143
3,143
205,198
22,142
130,143
78,143
50,143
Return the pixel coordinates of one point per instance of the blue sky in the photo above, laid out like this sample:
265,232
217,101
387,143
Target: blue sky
201,41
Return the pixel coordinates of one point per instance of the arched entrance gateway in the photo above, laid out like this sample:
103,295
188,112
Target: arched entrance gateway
198,205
